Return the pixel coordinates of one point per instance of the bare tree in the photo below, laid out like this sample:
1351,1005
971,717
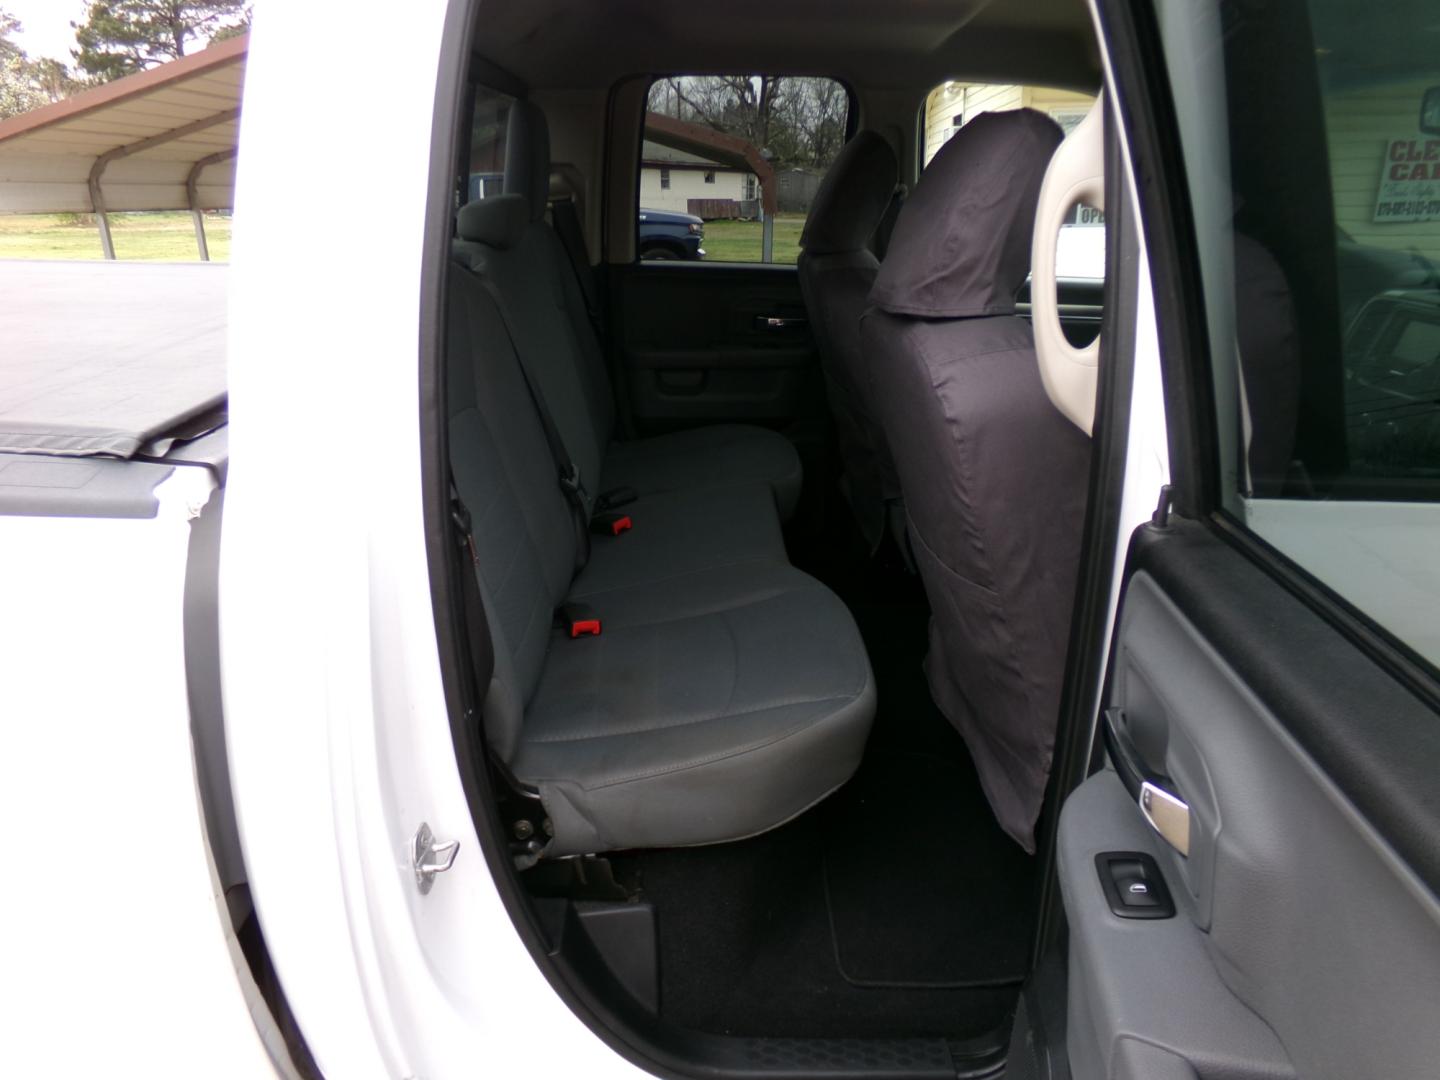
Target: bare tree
800,120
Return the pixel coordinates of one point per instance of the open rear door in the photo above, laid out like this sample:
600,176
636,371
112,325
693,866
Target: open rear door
1250,880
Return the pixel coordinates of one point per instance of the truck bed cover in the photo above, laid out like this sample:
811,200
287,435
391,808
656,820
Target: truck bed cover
109,359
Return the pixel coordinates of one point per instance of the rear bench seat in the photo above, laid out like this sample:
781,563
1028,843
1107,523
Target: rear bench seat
579,392
727,691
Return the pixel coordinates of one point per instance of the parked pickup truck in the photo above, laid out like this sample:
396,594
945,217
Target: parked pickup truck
667,234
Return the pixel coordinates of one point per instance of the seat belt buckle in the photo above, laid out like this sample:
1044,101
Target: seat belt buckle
579,620
611,524
615,497
570,480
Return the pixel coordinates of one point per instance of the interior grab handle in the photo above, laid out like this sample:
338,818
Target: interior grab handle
1155,794
1075,176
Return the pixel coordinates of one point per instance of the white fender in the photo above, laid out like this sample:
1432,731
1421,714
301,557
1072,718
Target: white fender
1076,175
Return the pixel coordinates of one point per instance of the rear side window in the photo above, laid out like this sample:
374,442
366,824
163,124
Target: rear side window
1318,221
730,163
488,122
1080,251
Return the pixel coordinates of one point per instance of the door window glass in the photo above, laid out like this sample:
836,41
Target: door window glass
1314,174
486,174
730,164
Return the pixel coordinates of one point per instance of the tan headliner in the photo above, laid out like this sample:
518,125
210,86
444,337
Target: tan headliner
881,44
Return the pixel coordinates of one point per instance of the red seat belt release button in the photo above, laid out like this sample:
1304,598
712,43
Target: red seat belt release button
578,620
611,524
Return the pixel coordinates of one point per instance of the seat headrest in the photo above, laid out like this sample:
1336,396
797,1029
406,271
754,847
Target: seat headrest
497,222
961,246
852,197
527,157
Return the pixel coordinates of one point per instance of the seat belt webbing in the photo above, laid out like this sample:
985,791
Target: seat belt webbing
568,472
567,227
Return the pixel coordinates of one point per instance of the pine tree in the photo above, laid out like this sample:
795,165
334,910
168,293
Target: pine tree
121,37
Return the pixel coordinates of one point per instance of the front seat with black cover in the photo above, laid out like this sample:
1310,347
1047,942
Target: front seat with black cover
994,477
836,270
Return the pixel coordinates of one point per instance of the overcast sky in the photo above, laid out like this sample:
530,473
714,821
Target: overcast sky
46,25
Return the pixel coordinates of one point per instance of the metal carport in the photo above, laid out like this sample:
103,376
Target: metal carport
163,139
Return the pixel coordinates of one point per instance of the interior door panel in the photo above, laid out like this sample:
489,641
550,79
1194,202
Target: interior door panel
1307,936
719,342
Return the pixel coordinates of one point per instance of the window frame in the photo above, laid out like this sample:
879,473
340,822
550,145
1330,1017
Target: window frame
1168,224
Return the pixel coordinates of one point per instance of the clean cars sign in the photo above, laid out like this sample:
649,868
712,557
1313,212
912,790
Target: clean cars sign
1409,181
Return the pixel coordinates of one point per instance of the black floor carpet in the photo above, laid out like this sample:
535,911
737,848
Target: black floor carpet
746,949
923,887
893,909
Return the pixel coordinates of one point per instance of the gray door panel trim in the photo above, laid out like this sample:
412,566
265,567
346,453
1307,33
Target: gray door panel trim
1147,980
1314,921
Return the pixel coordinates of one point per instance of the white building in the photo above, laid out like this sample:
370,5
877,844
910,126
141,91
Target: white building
951,105
670,179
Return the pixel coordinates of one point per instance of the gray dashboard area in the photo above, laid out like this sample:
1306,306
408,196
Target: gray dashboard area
108,358
1301,946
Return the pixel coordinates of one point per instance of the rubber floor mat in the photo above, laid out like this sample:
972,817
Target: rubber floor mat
923,888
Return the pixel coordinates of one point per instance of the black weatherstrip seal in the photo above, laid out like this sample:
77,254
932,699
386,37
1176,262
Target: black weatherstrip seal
449,129
1143,100
1075,737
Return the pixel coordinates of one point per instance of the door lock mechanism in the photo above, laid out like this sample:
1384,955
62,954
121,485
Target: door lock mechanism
428,858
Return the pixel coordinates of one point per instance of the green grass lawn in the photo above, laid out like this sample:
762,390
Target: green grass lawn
170,237
164,237
739,241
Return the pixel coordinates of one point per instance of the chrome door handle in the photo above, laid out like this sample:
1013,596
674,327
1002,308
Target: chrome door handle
778,322
1160,804
1168,815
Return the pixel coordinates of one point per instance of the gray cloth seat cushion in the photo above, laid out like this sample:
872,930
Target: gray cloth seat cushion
707,458
995,478
727,710
574,364
726,692
836,270
677,533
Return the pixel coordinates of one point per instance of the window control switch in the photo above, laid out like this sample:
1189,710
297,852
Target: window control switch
1133,886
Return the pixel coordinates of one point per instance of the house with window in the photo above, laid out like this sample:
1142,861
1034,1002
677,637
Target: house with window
951,105
674,179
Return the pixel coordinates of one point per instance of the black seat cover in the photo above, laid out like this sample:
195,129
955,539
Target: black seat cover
836,271
994,477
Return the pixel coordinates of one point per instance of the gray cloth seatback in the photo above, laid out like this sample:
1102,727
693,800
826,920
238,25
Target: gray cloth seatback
994,477
505,476
837,269
545,284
